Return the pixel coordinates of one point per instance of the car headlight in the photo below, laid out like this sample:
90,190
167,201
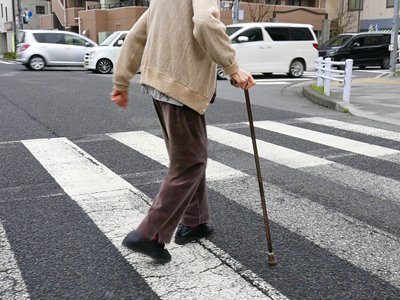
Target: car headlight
91,56
331,52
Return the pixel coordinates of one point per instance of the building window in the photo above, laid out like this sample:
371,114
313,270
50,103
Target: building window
389,3
40,10
6,15
356,4
2,10
293,2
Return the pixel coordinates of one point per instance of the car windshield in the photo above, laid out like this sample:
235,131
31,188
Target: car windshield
108,40
338,40
232,30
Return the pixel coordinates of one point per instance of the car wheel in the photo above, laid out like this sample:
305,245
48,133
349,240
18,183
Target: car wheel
386,62
36,63
104,66
221,73
296,69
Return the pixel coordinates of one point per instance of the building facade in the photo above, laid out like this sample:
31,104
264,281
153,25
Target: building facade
6,26
97,19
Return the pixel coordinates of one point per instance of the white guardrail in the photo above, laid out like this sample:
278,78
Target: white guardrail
324,71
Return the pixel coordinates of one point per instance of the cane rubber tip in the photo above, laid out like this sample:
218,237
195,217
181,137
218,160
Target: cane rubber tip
271,259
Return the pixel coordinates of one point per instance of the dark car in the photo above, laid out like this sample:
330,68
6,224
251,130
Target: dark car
365,49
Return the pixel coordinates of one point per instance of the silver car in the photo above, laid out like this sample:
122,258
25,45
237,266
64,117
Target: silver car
40,48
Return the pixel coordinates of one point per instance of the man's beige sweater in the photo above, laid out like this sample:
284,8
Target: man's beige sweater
177,44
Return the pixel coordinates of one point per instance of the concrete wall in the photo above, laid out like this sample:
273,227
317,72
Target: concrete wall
98,20
376,9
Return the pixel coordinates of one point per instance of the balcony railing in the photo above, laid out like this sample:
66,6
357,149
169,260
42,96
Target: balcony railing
145,3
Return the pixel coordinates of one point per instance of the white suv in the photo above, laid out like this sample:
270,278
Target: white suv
40,48
273,48
102,59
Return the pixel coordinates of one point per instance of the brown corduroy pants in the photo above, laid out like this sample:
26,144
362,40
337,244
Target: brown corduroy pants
183,196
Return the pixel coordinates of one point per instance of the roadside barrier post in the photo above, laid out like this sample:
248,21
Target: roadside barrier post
347,80
324,71
319,71
327,73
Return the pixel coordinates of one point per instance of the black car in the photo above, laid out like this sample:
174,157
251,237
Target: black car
365,49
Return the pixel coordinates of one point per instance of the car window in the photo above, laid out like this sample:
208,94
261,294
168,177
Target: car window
386,39
121,38
278,33
360,40
301,34
254,35
108,40
232,30
338,40
74,40
375,40
49,37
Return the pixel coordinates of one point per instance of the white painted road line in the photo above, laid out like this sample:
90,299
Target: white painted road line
272,83
376,132
364,246
154,147
326,139
12,285
118,211
281,155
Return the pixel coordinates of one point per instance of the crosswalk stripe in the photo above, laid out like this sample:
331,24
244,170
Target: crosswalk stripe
154,147
348,231
364,246
326,139
12,284
281,155
116,211
376,132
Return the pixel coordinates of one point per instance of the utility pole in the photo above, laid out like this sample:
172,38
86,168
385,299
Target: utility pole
14,27
359,15
394,39
20,26
235,11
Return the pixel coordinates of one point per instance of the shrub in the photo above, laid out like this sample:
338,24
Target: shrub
10,55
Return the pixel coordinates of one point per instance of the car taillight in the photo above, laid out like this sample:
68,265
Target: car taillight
315,45
24,46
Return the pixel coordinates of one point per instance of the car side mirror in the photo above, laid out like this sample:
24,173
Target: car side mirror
243,39
355,45
120,42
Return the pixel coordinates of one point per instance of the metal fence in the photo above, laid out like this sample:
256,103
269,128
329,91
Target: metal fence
144,3
324,75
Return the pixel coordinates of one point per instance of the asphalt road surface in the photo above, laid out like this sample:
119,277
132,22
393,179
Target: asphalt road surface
77,174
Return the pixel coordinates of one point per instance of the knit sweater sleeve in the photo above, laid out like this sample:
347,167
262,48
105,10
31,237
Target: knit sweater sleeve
209,32
130,57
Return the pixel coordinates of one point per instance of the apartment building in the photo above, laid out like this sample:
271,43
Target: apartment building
97,19
6,26
365,15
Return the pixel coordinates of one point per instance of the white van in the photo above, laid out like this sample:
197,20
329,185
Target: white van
273,48
102,59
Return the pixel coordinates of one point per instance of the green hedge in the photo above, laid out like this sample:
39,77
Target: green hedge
11,55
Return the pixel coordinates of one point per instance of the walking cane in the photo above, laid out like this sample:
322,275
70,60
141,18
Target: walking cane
271,256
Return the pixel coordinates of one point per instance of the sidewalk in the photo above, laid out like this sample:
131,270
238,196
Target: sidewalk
375,98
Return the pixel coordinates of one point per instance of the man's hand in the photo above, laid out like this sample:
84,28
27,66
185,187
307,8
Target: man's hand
243,79
120,98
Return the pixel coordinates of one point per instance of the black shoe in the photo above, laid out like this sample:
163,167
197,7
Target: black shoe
186,234
137,243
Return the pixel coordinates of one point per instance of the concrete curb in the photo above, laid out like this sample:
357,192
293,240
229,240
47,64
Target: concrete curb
332,102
